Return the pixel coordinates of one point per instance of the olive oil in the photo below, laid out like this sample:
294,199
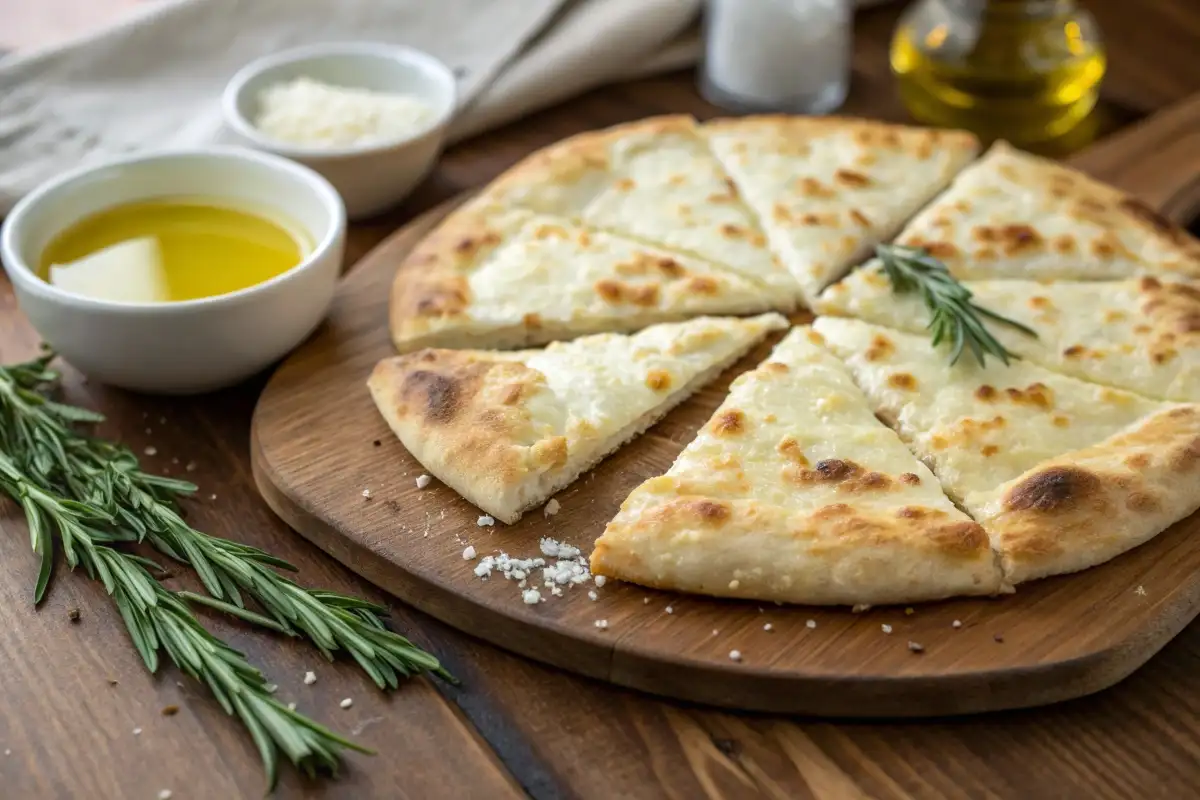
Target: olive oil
199,247
1028,71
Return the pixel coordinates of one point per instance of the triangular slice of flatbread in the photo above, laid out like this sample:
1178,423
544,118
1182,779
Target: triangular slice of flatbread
654,180
1016,215
507,430
795,492
502,278
1141,334
1063,474
827,190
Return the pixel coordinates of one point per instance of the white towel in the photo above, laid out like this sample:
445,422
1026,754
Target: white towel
154,79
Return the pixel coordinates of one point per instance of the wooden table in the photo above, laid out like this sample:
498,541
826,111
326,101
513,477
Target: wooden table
516,727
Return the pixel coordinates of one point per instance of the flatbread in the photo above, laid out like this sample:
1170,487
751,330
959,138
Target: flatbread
503,278
507,430
1141,334
1063,474
795,492
1015,215
654,180
827,190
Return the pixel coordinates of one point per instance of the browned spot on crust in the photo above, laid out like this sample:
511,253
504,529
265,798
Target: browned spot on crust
702,284
549,231
609,291
438,394
532,320
437,301
860,217
624,184
780,212
729,423
669,267
985,393
1164,355
512,394
1035,394
550,452
848,177
849,476
1040,303
732,231
911,478
935,248
1137,461
964,539
811,187
790,449
709,510
615,292
1060,421
810,219
881,347
1185,458
902,380
658,380
1065,244
1054,489
731,187
775,366
989,450
835,469
1074,351
1142,501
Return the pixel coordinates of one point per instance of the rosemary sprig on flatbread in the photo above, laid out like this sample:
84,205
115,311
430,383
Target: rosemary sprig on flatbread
953,317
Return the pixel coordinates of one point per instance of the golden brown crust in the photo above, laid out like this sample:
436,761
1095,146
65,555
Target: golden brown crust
870,133
1091,505
835,555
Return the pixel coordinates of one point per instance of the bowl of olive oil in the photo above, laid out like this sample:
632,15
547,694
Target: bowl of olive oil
177,272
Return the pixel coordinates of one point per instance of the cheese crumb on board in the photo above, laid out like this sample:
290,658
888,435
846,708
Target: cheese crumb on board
346,702
486,521
308,112
552,507
563,566
768,627
600,580
468,553
310,678
602,624
165,794
366,493
885,628
956,624
531,596
423,481
859,608
670,609
916,648
735,655
812,623
593,596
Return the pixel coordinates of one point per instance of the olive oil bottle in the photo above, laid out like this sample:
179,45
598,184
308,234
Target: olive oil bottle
1028,71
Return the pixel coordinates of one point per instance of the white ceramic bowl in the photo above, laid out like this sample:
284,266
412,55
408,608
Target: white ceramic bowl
374,176
194,345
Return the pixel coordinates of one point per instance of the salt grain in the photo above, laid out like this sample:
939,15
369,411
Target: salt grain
469,553
423,481
670,610
137,731
190,466
165,794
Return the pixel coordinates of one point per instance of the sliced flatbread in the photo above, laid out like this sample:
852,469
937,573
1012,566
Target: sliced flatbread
1063,474
1015,215
827,190
1141,334
795,492
496,278
508,430
654,180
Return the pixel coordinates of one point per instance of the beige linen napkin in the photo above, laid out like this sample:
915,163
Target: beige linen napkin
154,79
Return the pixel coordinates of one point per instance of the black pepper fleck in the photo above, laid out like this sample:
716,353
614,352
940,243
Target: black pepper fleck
170,711
999,637
377,443
73,614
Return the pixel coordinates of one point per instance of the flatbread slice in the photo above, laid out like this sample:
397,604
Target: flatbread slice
507,430
794,492
827,190
1063,474
1141,334
654,180
502,278
1015,215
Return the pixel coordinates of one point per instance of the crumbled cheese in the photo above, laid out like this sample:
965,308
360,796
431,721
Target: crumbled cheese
137,731
556,591
212,497
485,521
565,566
346,702
367,493
531,596
291,706
885,628
151,450
165,794
1140,591
556,549
734,584
602,624
812,623
310,678
593,596
423,481
468,553
715,631
956,624
670,609
916,648
308,112
552,507
190,466
768,627
735,655
600,580
645,601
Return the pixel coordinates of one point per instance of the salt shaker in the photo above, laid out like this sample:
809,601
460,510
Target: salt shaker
777,55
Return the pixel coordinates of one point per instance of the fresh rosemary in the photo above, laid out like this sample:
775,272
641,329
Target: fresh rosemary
92,494
953,317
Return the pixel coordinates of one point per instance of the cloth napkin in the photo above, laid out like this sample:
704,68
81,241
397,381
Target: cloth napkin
154,79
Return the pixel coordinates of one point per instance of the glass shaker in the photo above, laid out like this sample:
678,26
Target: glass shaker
777,55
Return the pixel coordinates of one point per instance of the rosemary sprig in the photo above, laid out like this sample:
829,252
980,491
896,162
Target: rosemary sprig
953,317
108,477
159,620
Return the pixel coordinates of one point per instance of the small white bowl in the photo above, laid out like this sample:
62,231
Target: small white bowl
372,176
193,345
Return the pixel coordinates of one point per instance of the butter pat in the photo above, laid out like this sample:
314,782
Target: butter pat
129,272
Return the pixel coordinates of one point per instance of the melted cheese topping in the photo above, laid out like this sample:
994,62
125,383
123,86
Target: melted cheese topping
1141,335
563,273
660,185
827,198
978,426
1014,215
798,434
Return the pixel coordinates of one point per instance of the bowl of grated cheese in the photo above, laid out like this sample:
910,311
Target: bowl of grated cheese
370,117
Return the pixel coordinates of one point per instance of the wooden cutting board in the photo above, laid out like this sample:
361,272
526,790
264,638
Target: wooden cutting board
317,443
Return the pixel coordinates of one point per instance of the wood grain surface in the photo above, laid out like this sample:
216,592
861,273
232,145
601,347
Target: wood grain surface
517,727
317,443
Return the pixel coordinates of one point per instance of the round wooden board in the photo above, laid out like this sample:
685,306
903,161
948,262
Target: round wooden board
317,442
